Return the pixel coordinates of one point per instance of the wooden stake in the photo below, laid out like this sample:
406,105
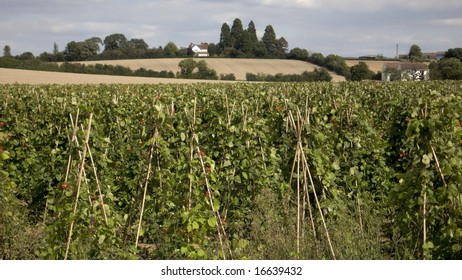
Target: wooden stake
299,140
74,132
438,166
97,183
424,220
154,142
220,227
79,182
305,188
318,205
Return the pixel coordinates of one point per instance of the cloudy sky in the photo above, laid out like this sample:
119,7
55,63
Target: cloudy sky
344,27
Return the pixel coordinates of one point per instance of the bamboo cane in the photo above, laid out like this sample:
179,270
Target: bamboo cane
79,182
154,142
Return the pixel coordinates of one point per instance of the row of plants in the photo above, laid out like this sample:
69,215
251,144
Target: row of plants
98,69
231,171
317,75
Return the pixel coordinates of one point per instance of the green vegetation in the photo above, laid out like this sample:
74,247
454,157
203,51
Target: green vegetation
415,53
449,68
361,72
317,75
100,69
237,171
192,69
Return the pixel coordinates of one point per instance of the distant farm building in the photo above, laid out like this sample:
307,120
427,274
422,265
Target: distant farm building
405,71
433,55
200,50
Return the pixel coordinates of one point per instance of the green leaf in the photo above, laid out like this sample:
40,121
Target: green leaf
184,249
200,253
336,165
212,222
428,245
5,155
182,136
101,239
426,159
456,247
195,225
110,222
243,243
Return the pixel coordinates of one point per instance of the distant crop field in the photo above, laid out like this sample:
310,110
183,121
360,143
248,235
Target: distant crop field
374,65
239,67
11,76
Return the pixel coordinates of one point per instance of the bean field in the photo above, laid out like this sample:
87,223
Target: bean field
231,171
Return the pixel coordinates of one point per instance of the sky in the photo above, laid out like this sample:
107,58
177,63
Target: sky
349,28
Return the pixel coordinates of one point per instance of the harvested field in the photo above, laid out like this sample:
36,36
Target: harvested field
374,65
239,67
11,76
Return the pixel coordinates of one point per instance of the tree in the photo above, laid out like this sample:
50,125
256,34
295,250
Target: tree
298,54
360,72
213,49
269,40
187,67
225,37
170,49
446,69
317,58
204,72
415,53
7,51
282,46
455,53
338,65
252,31
259,49
137,44
114,42
237,34
26,56
93,44
55,49
78,51
246,47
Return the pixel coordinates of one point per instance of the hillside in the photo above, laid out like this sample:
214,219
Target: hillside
374,65
11,76
239,67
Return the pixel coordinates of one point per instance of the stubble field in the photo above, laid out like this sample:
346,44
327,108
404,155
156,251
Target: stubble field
238,67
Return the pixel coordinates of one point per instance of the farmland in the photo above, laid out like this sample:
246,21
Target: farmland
231,171
10,76
374,65
238,67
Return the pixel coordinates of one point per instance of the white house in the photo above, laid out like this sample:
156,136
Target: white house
200,50
406,70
